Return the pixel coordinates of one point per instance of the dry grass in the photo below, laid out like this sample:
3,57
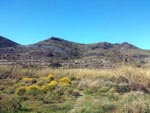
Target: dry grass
133,74
121,90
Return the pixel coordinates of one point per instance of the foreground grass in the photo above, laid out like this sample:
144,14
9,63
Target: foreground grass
122,90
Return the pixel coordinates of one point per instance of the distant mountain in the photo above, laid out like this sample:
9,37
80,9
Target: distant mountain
59,52
60,47
4,42
106,45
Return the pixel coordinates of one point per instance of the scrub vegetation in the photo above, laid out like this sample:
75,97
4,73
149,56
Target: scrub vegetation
120,90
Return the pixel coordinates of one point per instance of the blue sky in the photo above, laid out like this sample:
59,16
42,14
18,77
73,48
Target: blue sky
84,21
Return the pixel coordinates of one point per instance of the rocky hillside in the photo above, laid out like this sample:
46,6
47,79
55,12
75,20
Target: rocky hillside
58,52
4,42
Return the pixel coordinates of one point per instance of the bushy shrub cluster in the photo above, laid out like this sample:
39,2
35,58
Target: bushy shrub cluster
50,86
65,81
29,81
43,85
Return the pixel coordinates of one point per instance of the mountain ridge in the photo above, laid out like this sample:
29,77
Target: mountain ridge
54,51
61,39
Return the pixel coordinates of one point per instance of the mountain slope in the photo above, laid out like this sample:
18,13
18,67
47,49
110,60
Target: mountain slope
67,48
74,55
4,42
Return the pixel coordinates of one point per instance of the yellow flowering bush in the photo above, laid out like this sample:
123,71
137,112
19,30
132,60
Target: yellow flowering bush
50,86
33,89
44,80
21,90
29,80
53,83
65,81
44,84
50,77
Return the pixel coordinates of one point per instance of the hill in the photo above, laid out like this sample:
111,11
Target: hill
59,52
4,42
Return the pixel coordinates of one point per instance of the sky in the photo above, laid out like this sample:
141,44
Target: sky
83,21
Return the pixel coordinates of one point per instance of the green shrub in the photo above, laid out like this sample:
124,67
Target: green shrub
11,105
104,89
122,88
